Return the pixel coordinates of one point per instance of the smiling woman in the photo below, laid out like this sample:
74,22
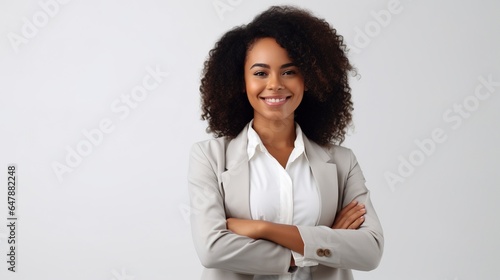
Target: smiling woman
274,85
281,200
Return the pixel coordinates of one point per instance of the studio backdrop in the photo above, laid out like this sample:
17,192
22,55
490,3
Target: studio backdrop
99,107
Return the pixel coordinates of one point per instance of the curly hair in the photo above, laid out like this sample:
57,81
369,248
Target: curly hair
325,112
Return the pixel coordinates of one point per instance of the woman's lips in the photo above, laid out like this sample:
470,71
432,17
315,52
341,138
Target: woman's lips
275,101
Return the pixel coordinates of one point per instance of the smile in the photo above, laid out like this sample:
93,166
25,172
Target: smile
273,101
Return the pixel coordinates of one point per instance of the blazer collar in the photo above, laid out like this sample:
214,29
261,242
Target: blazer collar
236,151
236,179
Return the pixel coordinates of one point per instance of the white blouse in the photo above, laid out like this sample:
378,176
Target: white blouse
283,195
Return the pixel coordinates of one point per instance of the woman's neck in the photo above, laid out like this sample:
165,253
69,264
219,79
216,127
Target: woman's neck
277,134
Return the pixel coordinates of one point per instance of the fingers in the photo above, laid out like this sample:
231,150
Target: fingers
353,218
342,216
357,223
350,217
348,207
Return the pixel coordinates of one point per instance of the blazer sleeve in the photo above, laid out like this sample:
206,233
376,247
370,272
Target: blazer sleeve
217,247
347,249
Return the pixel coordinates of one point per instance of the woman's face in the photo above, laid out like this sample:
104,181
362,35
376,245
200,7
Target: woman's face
274,85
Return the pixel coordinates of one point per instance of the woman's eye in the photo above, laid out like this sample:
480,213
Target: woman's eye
259,73
289,72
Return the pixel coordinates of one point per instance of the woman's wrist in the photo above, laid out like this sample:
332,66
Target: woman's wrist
262,229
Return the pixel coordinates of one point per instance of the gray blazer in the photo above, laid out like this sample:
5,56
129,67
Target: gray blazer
219,188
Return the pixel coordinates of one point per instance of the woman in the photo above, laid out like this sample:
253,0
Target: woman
272,197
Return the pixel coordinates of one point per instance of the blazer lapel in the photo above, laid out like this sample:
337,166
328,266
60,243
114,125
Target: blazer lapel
325,174
236,180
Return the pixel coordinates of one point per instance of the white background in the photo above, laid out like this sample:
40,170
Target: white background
121,213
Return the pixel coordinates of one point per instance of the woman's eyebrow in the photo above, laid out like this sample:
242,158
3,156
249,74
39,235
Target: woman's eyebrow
287,65
263,65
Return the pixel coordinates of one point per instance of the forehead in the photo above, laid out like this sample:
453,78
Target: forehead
266,49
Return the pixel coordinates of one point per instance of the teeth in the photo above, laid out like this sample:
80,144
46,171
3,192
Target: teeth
275,100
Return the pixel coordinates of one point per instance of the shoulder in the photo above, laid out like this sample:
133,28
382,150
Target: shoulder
339,153
211,143
342,157
335,153
344,160
207,158
210,148
216,150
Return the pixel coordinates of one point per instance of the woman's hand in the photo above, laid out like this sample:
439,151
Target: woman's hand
248,228
350,217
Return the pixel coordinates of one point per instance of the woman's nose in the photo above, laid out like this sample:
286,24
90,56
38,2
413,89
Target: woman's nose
274,83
